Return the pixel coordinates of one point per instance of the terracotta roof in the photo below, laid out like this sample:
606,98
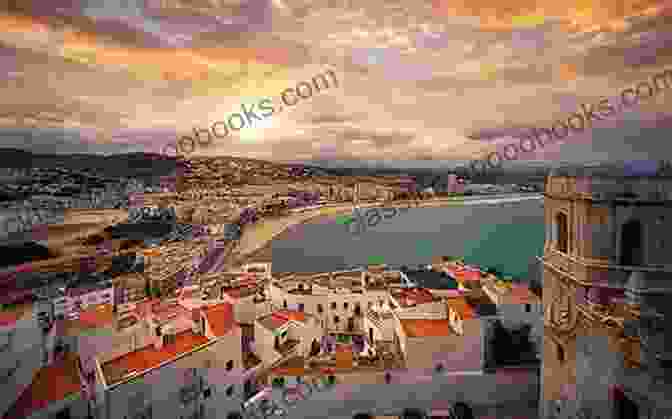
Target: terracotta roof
293,367
51,384
463,308
9,317
98,316
467,275
150,357
279,318
220,318
521,294
416,328
412,296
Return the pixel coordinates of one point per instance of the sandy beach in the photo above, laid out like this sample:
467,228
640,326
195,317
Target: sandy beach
255,244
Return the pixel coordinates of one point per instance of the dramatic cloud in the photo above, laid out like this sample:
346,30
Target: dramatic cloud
441,80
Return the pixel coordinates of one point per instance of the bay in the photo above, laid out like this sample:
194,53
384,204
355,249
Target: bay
506,236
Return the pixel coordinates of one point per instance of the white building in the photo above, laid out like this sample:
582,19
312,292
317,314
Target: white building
249,302
452,343
284,334
192,368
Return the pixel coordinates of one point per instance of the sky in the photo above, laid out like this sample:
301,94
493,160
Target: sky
418,82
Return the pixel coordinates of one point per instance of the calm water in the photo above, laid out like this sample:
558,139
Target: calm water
507,236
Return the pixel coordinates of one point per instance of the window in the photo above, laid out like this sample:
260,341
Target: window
320,309
207,393
626,407
333,306
229,365
345,306
168,339
301,307
562,232
631,244
336,319
527,308
63,414
229,391
561,353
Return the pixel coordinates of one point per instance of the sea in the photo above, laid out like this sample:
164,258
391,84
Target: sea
506,236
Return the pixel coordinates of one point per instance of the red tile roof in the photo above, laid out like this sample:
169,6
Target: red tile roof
51,384
97,316
412,296
278,318
9,318
416,328
150,357
220,318
286,315
521,294
462,307
293,367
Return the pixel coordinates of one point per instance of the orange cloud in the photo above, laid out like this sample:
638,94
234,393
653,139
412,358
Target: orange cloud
582,15
567,72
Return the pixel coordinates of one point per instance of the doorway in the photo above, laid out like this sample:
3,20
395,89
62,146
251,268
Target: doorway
631,244
626,408
63,414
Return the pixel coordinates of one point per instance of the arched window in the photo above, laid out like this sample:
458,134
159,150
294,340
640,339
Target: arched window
561,233
631,244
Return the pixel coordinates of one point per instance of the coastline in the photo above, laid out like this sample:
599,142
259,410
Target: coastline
255,244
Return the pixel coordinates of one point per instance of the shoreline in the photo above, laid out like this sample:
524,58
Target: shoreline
259,249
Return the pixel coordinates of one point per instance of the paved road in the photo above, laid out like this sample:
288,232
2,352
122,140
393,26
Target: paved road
504,389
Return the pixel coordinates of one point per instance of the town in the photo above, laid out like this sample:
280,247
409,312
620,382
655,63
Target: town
183,325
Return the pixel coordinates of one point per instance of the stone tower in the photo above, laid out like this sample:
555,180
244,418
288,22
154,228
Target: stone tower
607,294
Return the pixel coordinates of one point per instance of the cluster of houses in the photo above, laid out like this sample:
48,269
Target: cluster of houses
219,343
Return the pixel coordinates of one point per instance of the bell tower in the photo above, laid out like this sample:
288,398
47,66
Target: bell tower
603,266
